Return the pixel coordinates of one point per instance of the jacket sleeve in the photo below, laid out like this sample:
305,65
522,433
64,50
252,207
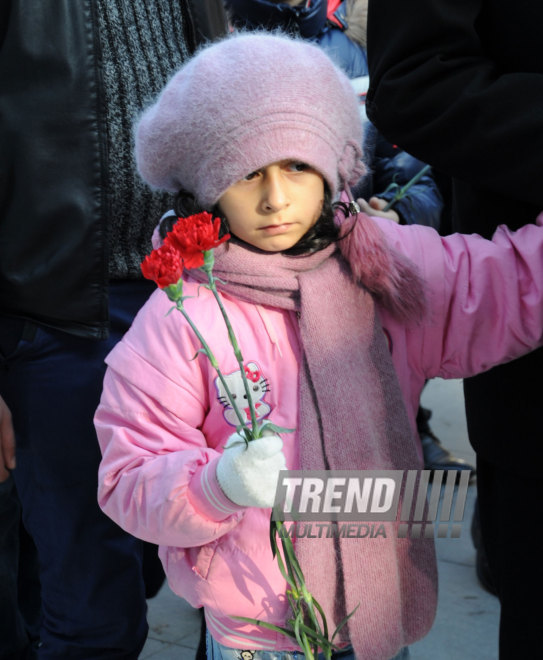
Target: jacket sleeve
485,298
159,453
436,91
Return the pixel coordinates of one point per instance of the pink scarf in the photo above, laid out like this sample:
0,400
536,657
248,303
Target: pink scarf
352,416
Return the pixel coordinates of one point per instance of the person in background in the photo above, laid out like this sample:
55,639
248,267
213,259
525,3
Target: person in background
75,222
460,85
339,26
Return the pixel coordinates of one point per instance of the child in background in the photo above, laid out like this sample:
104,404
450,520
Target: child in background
341,319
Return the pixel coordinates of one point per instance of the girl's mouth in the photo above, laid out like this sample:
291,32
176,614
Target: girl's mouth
273,230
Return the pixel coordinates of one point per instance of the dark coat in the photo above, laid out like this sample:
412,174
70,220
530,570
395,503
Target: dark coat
53,196
459,84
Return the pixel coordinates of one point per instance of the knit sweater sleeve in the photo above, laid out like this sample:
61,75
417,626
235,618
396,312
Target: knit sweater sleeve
485,298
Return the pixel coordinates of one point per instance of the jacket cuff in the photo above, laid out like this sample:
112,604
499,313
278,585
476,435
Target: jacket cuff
207,496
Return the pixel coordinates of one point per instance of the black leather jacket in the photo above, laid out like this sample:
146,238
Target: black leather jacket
53,205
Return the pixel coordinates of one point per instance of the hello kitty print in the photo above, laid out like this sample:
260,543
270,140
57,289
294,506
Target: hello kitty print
258,386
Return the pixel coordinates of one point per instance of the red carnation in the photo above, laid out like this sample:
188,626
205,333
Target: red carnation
185,246
195,235
164,266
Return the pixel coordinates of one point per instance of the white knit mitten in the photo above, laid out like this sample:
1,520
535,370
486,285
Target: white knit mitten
248,474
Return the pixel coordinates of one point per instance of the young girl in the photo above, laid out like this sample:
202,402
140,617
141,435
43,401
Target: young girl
341,319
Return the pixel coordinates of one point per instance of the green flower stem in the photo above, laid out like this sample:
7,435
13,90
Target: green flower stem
213,361
308,631
208,269
403,190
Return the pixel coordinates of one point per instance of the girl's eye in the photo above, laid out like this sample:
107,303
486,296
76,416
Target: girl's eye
250,176
298,167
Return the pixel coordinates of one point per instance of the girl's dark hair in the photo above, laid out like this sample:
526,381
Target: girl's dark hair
321,235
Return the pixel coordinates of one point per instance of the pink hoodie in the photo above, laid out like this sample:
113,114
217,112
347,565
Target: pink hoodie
162,420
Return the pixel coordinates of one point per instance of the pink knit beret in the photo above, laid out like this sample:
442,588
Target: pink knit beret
245,102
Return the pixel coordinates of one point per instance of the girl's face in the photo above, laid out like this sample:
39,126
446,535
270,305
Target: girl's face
275,206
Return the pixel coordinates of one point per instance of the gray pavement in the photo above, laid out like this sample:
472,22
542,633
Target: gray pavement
466,626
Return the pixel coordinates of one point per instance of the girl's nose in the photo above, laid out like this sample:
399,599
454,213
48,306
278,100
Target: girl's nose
274,192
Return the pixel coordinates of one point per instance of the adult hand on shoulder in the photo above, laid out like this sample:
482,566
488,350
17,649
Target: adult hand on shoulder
248,474
7,441
375,207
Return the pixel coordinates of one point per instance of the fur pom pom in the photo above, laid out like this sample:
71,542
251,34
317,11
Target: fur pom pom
386,273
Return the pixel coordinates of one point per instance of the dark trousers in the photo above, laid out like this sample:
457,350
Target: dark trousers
92,588
19,583
505,425
508,503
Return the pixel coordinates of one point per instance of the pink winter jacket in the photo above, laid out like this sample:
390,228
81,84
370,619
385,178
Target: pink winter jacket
163,419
